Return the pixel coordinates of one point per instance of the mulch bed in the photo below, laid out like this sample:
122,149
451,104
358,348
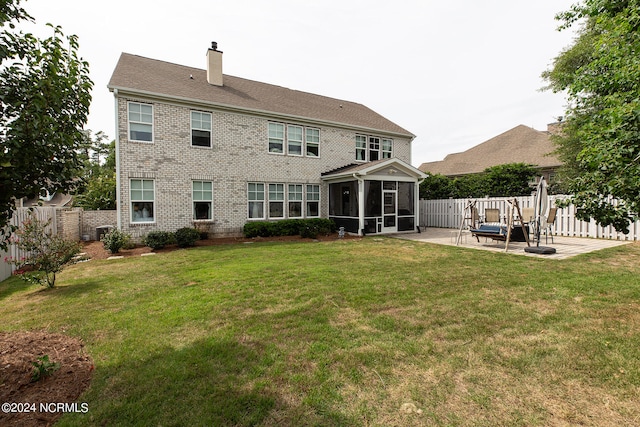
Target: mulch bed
27,403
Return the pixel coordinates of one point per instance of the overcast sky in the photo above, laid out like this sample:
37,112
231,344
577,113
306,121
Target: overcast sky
454,73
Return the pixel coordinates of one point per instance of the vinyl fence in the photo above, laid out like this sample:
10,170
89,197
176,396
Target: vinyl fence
71,224
19,216
448,213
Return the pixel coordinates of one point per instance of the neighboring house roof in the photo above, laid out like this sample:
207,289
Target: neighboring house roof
140,75
521,144
55,200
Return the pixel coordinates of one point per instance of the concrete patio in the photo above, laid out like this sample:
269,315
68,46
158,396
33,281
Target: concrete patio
565,246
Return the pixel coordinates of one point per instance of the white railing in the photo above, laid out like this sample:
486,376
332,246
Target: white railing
448,213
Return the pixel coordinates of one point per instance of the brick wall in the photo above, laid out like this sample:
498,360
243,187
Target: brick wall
90,220
239,154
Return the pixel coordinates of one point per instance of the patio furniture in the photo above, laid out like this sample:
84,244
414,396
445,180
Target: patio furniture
491,215
550,221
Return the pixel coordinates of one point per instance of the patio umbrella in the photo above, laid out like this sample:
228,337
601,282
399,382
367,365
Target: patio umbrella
541,204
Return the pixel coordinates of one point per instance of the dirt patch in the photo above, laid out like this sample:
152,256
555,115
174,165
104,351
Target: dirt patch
96,250
37,403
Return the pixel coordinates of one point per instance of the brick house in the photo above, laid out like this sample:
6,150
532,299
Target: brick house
198,148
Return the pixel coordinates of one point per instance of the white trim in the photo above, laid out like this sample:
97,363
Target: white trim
191,129
129,122
154,202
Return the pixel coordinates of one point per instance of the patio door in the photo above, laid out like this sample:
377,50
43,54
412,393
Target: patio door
389,208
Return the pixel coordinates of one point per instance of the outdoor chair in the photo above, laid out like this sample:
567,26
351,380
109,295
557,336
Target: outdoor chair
527,215
551,219
491,215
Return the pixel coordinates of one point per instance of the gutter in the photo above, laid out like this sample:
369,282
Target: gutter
260,113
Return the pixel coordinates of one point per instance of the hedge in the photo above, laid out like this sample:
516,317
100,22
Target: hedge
310,228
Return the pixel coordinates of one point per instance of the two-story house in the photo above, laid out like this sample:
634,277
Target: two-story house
200,148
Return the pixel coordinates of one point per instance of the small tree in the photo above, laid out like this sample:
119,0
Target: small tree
46,253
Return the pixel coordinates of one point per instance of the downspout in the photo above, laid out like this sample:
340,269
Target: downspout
118,208
360,204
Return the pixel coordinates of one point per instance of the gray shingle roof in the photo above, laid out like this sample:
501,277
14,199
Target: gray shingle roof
138,74
521,144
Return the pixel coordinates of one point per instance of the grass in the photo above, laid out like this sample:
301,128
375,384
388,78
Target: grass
377,331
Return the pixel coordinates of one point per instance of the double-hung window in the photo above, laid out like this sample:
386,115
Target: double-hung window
295,200
313,200
294,140
387,148
142,195
370,148
276,138
140,122
202,200
276,200
256,200
313,142
361,147
200,129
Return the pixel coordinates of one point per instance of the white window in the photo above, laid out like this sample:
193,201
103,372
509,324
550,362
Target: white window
361,147
202,200
200,129
313,142
294,140
276,138
387,148
256,200
374,148
142,195
313,200
295,200
370,148
276,200
140,122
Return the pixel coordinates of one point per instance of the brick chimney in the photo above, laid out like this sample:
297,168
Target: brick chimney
214,65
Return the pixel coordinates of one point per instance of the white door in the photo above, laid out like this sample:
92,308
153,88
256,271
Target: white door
389,211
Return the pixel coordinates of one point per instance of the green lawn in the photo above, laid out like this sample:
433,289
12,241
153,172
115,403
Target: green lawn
376,331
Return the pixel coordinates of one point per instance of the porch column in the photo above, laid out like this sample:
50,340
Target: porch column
360,206
416,200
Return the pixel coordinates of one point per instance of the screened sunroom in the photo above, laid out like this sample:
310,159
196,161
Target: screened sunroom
375,198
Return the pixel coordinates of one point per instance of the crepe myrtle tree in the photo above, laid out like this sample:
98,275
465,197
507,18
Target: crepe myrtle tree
600,141
45,97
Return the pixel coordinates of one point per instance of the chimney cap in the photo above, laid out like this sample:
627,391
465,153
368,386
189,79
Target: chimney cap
214,46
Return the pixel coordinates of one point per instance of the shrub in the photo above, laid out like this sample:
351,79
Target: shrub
158,239
309,228
186,236
45,253
43,368
115,240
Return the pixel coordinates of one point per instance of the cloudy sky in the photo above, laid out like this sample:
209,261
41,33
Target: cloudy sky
453,73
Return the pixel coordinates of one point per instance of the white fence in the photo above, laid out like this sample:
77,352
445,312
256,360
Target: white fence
448,213
19,216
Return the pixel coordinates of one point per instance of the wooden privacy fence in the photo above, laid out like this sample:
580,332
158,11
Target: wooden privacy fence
448,213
